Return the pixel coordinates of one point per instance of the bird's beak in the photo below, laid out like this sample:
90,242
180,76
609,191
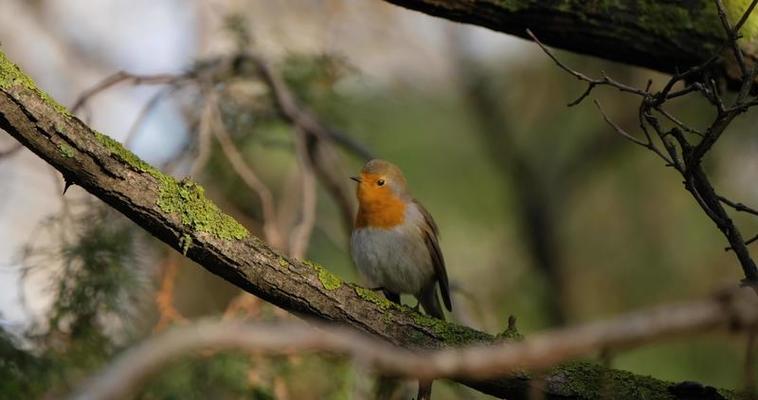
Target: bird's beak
355,178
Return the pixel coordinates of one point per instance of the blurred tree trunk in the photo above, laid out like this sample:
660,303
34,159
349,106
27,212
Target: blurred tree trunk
542,186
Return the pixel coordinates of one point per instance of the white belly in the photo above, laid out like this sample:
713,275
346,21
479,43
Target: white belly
395,259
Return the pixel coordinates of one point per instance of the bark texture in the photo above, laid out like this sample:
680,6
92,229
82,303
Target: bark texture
667,36
178,213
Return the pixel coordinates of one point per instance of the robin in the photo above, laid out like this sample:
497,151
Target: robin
394,243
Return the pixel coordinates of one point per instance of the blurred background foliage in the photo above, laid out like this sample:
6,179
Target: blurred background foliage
545,214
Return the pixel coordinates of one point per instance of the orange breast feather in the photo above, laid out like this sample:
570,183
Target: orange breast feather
378,207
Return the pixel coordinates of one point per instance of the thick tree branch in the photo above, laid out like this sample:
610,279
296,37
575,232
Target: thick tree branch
178,213
667,36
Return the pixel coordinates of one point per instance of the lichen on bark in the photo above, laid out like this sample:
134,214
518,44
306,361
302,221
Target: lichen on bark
11,75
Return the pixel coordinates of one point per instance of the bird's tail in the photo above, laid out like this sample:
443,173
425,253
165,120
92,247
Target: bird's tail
431,302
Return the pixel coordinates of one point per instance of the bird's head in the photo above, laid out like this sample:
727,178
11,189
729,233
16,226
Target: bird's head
380,181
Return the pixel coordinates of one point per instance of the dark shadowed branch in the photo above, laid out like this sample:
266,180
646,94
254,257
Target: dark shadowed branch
667,36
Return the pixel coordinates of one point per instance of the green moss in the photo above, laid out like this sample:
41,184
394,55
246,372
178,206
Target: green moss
66,150
11,75
452,334
187,199
374,297
328,280
118,150
510,334
590,381
283,262
185,242
184,198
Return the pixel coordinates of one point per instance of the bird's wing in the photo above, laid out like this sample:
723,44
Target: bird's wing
430,232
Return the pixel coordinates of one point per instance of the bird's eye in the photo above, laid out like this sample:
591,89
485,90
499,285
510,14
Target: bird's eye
380,182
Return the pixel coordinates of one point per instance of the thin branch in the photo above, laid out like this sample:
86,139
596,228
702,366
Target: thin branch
164,297
289,108
731,35
678,122
745,16
301,233
150,106
319,139
271,231
738,206
648,145
737,308
121,77
604,81
204,132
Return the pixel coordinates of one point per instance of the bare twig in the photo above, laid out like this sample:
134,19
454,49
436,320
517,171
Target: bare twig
678,122
738,206
646,144
736,308
120,77
164,297
271,230
147,109
732,37
204,132
301,233
604,81
745,16
318,137
290,109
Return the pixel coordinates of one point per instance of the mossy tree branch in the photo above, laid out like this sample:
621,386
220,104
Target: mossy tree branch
667,36
177,213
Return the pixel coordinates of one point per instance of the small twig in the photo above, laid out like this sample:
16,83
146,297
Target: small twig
738,206
678,122
319,140
119,77
271,230
618,129
732,37
648,145
745,16
146,110
301,233
289,109
164,297
747,242
204,132
605,81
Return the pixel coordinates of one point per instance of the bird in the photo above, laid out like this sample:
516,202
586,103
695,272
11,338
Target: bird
395,243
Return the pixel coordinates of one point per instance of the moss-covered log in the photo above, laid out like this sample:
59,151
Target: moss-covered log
178,213
663,35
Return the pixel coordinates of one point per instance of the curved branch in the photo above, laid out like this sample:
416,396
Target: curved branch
125,375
